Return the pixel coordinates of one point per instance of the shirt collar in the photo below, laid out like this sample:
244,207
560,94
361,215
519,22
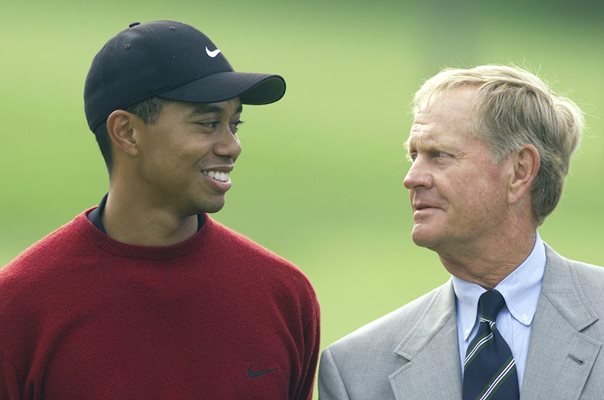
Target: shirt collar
520,289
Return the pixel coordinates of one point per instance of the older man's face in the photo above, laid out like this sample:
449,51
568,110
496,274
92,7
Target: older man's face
457,193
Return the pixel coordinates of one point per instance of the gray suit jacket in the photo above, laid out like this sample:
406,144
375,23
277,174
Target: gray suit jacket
412,353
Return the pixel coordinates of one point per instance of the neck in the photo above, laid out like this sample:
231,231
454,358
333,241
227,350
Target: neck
133,221
489,263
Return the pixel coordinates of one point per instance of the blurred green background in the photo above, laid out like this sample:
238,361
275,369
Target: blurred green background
319,181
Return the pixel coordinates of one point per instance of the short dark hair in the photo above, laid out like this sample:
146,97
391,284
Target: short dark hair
148,110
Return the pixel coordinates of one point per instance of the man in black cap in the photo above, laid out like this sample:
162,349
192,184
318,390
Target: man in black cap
146,296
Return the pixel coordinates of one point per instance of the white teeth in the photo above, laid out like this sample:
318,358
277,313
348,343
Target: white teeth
217,175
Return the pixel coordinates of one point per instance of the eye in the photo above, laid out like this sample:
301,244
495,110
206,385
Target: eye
213,124
440,154
234,126
411,156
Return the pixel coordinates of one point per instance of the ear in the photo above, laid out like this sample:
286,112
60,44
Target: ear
123,129
526,164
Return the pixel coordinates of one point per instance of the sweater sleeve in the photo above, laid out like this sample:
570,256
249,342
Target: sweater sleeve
9,386
311,352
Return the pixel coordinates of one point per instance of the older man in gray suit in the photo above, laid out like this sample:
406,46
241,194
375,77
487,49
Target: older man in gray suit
490,148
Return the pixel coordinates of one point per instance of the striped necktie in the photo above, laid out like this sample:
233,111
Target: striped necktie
489,367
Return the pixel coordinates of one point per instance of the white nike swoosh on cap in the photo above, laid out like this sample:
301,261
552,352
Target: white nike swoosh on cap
212,53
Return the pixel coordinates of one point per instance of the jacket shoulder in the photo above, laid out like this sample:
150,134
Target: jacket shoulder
588,279
389,330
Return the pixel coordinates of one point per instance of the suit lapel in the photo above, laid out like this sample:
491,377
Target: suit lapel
560,356
432,370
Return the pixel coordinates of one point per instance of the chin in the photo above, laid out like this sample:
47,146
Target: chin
205,205
208,203
211,209
424,239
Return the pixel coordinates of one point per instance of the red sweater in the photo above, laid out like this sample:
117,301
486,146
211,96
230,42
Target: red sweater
83,316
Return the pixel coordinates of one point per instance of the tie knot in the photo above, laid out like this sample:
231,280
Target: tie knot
489,304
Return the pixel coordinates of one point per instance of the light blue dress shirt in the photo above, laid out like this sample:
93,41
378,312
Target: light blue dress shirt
521,291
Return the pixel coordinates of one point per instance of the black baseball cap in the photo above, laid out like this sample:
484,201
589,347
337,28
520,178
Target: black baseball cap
170,60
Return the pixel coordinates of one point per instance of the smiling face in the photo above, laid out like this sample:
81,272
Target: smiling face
186,155
458,194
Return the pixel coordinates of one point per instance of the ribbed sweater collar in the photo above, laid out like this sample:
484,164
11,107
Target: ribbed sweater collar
116,248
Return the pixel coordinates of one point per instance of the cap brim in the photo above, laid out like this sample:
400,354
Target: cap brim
251,88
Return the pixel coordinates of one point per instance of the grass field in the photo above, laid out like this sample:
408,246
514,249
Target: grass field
320,177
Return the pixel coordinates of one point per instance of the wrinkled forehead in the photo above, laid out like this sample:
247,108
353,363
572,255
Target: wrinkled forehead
418,136
430,136
447,115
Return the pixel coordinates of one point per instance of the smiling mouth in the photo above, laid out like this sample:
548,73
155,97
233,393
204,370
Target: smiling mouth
217,175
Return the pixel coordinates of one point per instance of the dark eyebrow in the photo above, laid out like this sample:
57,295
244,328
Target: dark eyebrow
210,108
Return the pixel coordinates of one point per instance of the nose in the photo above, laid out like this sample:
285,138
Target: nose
228,144
418,176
